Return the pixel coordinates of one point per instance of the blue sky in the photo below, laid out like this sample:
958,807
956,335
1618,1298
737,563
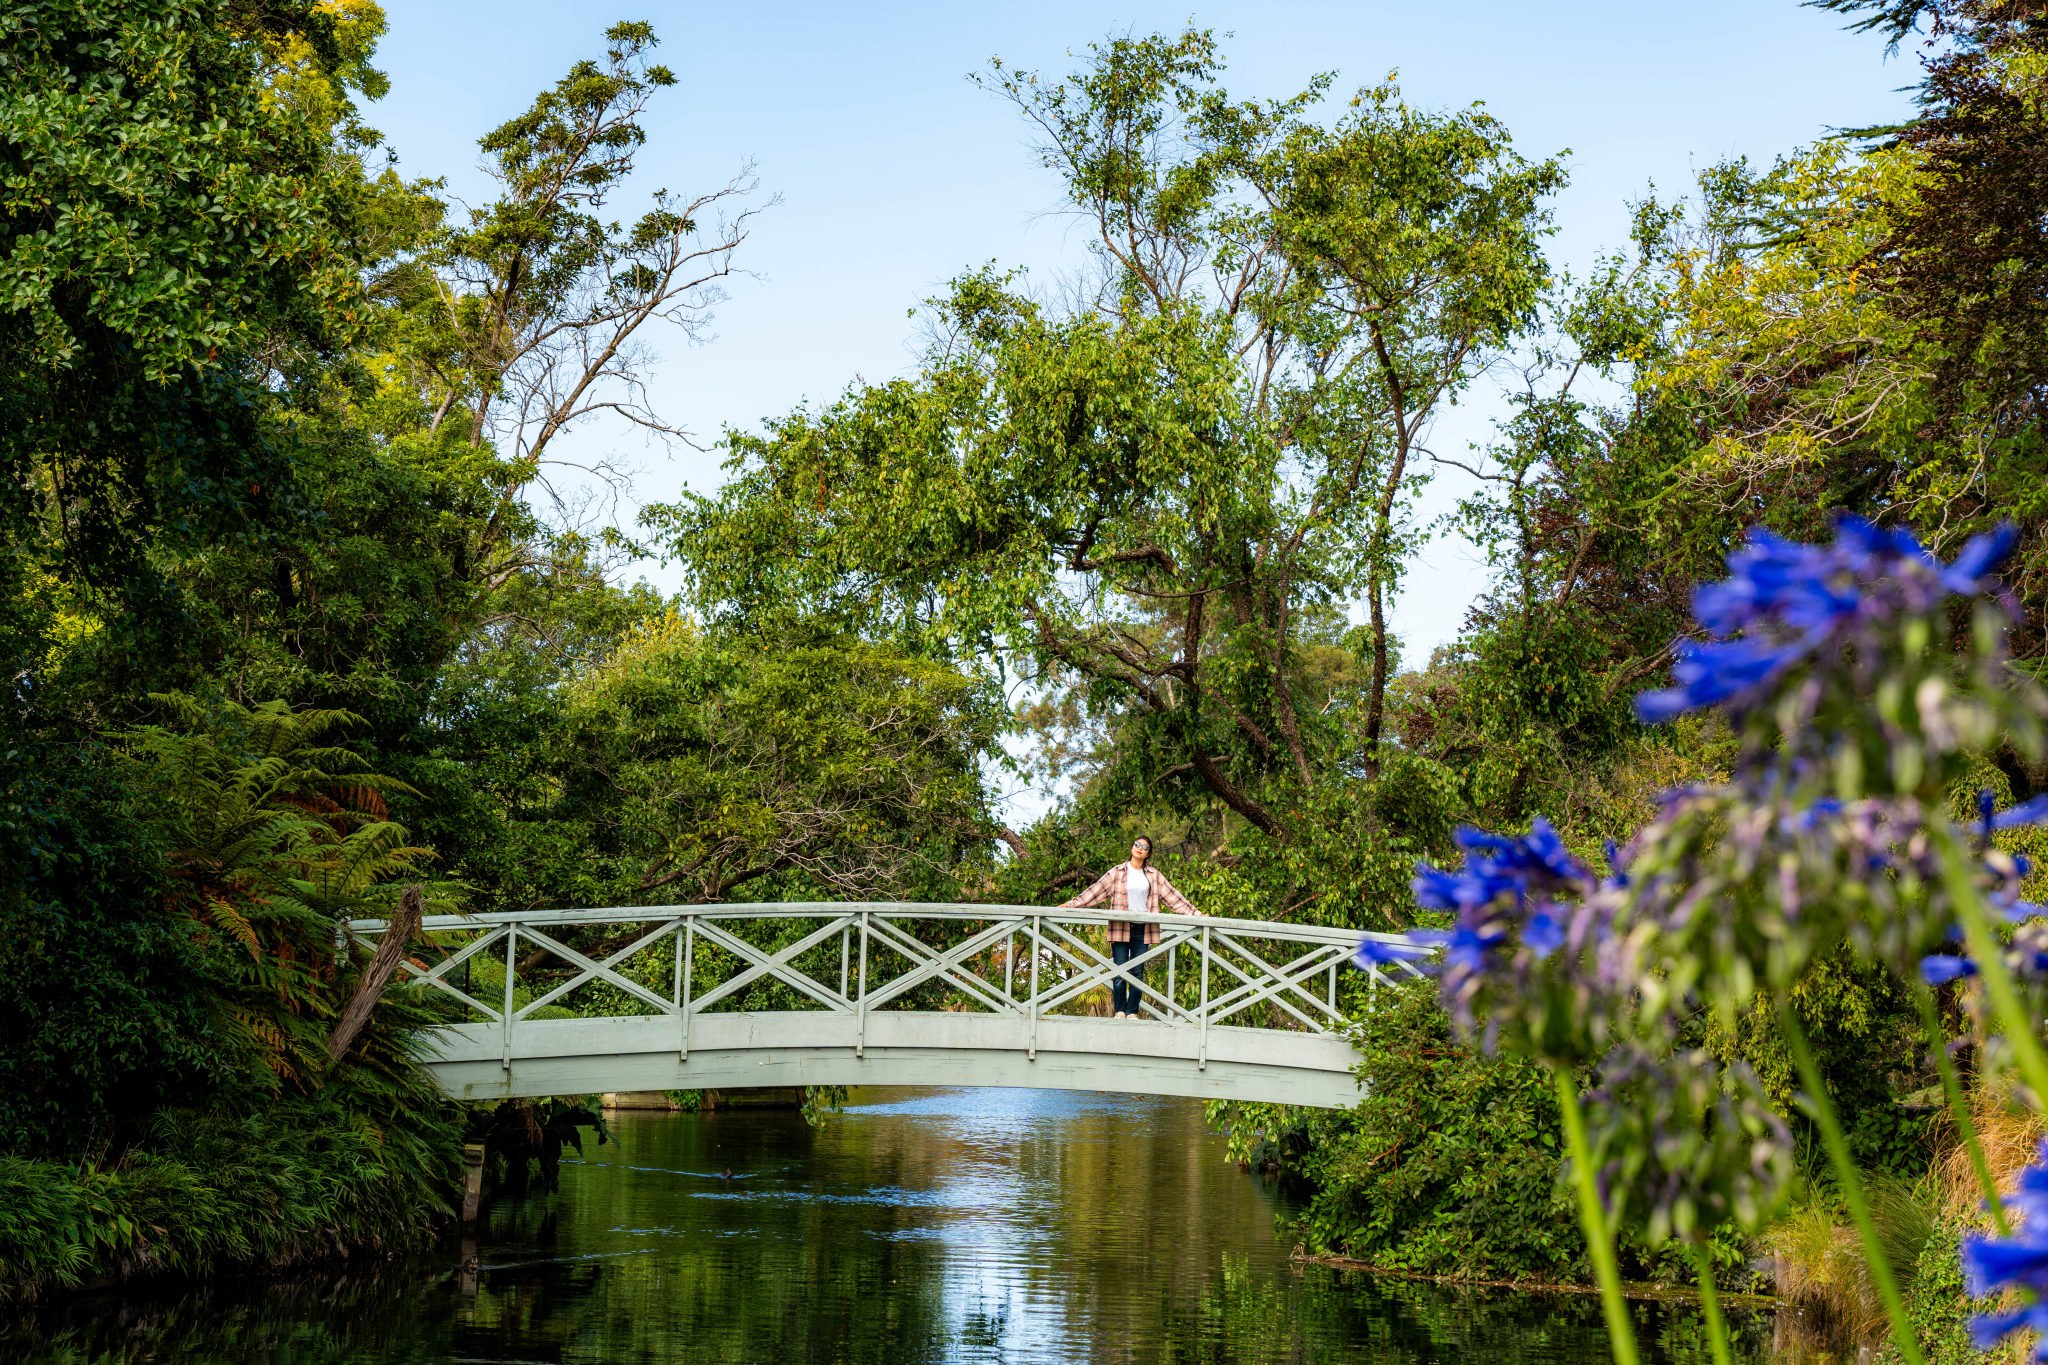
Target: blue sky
896,174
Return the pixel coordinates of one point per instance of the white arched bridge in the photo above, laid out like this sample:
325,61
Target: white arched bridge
560,1002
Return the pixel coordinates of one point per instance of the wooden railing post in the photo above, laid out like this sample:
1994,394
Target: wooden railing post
472,1179
1202,1050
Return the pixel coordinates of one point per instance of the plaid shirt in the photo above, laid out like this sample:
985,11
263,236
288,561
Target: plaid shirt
1113,887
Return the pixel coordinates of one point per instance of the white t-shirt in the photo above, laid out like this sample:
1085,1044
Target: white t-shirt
1137,891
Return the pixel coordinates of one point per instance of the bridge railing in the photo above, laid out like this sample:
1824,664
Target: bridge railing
858,958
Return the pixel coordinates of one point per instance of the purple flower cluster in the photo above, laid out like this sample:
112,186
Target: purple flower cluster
2026,957
1516,899
1992,1264
1690,1143
2027,953
1783,602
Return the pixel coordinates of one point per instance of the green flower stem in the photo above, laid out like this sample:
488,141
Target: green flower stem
1958,873
1959,1108
1621,1333
1823,1112
1710,1302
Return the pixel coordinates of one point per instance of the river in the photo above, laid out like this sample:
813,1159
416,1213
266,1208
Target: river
1008,1226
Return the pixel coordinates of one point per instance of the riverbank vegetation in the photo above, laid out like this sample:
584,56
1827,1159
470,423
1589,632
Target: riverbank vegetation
307,611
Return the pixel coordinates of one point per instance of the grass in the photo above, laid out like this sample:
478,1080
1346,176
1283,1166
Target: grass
1821,1269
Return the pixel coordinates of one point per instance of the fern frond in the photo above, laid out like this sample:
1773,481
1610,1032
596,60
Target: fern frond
227,917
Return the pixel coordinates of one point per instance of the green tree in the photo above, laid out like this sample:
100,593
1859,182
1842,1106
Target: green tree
842,769
169,249
1145,496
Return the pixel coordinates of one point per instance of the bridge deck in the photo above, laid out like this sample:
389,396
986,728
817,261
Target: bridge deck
811,1047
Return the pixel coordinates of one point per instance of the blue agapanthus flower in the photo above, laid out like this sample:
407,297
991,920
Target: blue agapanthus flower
1710,674
1939,969
1507,884
1988,1329
1994,1264
1783,601
1466,948
1617,871
1543,934
1537,857
2029,812
1460,890
1380,952
1983,554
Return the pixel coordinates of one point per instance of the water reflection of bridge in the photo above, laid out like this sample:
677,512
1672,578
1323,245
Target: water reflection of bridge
728,996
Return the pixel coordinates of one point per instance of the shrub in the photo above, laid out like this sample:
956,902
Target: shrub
1448,1165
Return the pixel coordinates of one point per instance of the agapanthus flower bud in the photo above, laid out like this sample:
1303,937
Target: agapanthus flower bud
1376,950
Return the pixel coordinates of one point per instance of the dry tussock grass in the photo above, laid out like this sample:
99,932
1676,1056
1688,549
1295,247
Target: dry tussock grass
2011,1137
1822,1271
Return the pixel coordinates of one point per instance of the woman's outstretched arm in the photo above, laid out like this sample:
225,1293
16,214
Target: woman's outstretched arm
1170,896
1094,895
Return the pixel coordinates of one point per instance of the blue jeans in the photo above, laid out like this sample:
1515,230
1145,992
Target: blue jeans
1123,995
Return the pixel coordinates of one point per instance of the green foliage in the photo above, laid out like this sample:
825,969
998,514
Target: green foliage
704,764
819,1100
1867,1037
1936,1299
163,218
105,1012
169,1061
523,1139
298,1179
1154,498
1349,862
1448,1165
275,840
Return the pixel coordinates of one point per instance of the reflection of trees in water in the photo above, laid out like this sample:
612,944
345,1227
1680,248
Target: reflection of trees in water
1356,1316
379,1310
1112,1232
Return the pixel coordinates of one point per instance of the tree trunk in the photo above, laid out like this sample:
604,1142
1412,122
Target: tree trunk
412,908
1375,707
1382,534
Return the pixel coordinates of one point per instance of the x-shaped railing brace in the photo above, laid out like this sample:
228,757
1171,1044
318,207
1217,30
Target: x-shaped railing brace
945,963
433,976
596,971
1288,977
775,965
1092,972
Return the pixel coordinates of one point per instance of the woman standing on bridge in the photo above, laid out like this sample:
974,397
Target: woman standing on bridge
1132,888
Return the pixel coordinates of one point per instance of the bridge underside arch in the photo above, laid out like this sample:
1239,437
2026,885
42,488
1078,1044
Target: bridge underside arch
724,1051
